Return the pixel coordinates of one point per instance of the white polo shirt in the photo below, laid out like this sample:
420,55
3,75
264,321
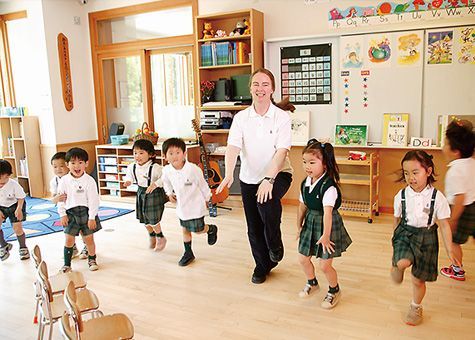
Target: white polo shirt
259,137
80,191
329,197
418,206
10,193
460,179
191,190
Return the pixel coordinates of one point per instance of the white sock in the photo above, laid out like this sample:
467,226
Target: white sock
456,268
415,304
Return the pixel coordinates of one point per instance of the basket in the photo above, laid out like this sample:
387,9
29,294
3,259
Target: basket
142,135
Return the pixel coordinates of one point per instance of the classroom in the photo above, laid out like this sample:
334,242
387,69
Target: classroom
277,130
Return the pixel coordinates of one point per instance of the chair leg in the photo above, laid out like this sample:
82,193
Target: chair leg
41,329
51,324
35,318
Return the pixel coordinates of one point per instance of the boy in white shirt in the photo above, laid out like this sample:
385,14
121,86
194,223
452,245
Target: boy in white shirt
12,206
185,185
60,168
79,212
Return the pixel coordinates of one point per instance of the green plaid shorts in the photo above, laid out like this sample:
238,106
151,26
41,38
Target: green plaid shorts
78,217
313,229
466,225
194,225
420,246
9,212
150,207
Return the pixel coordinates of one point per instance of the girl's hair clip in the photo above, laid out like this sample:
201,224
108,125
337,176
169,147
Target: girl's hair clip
312,141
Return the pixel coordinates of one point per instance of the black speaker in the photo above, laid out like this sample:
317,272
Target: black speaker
223,91
114,130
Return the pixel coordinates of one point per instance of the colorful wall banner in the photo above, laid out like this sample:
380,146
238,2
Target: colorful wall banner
390,12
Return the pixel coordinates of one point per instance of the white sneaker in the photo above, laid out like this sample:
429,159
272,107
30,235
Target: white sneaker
93,265
75,251
24,254
65,269
161,243
84,253
307,290
331,300
5,251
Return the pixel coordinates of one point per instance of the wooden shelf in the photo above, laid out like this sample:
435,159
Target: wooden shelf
216,131
354,179
224,66
346,161
224,108
233,38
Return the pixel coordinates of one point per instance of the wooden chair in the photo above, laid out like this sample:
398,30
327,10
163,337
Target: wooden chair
65,328
114,326
52,306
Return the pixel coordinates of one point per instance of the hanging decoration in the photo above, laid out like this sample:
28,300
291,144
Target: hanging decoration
65,70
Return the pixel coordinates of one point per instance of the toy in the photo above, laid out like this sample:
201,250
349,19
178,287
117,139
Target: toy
239,30
208,31
357,156
248,26
220,34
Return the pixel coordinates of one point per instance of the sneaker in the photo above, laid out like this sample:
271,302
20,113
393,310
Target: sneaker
65,269
307,290
414,316
75,251
24,254
160,243
450,272
84,253
5,252
331,300
277,254
92,265
212,234
152,242
397,275
186,259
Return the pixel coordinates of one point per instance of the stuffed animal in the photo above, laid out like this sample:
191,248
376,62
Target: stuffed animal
248,26
239,30
220,34
208,31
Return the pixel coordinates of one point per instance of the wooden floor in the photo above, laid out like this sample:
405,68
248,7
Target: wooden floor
214,299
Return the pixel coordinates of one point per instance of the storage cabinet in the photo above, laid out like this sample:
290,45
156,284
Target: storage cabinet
253,59
20,138
112,162
359,181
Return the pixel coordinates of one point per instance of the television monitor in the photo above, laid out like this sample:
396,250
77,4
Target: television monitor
240,85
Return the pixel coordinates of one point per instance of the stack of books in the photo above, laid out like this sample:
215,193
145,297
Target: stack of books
224,53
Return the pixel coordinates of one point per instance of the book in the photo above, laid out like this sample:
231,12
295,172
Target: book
444,121
395,129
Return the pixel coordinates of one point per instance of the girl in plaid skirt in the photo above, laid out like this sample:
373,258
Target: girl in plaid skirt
320,228
415,241
151,198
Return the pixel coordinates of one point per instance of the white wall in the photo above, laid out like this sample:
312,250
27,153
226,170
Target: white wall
33,44
79,124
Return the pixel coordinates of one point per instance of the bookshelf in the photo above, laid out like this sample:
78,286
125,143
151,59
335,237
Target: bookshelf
20,139
246,64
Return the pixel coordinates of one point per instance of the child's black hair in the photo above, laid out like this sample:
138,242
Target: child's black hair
460,137
422,157
145,145
326,152
58,155
173,142
5,167
77,153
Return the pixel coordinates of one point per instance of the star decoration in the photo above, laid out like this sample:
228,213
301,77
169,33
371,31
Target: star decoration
346,110
365,86
347,99
346,80
365,79
346,86
365,104
346,104
346,91
365,99
365,93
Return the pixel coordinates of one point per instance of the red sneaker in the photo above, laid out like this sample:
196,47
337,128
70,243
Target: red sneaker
451,273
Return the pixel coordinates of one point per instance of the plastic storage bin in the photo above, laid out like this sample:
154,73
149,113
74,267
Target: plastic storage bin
119,139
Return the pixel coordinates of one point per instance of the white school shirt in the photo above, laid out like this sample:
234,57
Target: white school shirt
460,180
329,197
418,206
10,193
191,190
259,137
53,185
142,174
80,191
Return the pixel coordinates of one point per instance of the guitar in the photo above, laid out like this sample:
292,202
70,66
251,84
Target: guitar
211,173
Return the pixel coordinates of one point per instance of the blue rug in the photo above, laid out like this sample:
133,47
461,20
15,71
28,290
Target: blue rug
42,218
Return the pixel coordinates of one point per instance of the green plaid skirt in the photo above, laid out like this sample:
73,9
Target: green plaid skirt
78,217
466,225
194,225
9,212
420,246
149,207
313,229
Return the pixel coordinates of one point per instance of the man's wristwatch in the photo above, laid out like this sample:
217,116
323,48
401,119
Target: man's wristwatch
270,179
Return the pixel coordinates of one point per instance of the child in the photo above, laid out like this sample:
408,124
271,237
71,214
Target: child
415,241
60,168
460,190
151,197
185,185
320,228
79,211
12,206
